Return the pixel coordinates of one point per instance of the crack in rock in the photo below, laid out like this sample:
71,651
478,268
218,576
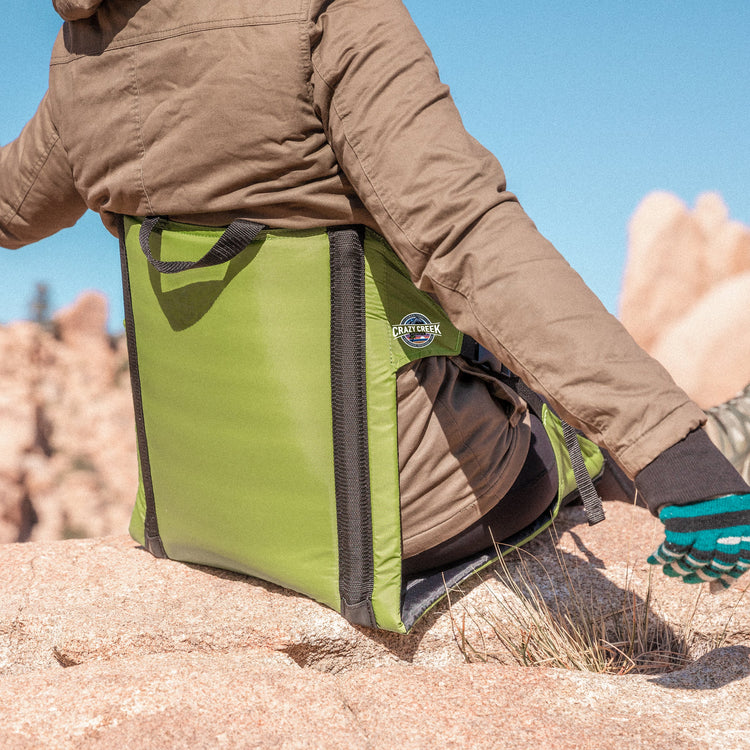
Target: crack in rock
352,711
65,659
331,656
18,625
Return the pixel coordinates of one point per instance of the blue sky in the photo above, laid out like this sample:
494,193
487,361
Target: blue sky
589,107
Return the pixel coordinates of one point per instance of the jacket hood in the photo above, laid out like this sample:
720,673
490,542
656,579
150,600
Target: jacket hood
74,10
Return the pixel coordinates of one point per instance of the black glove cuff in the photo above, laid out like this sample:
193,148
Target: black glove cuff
689,471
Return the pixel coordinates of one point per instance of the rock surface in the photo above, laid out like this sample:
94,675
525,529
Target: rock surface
103,646
685,293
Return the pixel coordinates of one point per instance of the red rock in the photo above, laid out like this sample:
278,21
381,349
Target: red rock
707,351
658,284
683,297
67,435
83,321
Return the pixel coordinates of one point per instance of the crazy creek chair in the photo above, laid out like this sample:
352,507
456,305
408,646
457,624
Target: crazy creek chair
264,380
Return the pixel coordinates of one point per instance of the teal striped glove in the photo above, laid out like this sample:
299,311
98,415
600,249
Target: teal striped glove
706,541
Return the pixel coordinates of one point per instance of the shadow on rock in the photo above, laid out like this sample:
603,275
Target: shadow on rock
714,670
333,651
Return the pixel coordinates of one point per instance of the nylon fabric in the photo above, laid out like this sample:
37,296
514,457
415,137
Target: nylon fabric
390,296
147,533
226,472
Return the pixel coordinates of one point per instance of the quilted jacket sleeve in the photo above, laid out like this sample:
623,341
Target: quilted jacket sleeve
37,194
440,200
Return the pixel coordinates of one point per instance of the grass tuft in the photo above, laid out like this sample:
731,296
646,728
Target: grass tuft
545,616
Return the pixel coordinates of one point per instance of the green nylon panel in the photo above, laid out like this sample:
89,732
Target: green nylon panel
399,300
235,375
389,297
138,519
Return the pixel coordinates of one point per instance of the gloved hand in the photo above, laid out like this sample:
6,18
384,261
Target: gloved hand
706,541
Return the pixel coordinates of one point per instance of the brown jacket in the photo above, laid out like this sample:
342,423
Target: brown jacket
307,113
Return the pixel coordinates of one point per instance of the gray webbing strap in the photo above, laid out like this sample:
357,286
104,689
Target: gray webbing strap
592,503
152,538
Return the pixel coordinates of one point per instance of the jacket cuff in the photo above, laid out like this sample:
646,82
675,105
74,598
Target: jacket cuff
690,471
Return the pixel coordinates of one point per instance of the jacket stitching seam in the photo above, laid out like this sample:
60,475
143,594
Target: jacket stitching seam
362,161
182,31
139,130
305,62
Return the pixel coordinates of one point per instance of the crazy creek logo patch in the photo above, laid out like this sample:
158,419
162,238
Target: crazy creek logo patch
416,330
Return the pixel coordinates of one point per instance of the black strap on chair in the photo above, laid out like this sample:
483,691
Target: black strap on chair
350,435
236,237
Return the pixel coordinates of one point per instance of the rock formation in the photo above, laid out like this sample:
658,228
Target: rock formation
685,293
103,646
68,462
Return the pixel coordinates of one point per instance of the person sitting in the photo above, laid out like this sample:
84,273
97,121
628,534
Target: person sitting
302,115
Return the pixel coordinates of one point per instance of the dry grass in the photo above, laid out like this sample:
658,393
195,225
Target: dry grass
542,616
